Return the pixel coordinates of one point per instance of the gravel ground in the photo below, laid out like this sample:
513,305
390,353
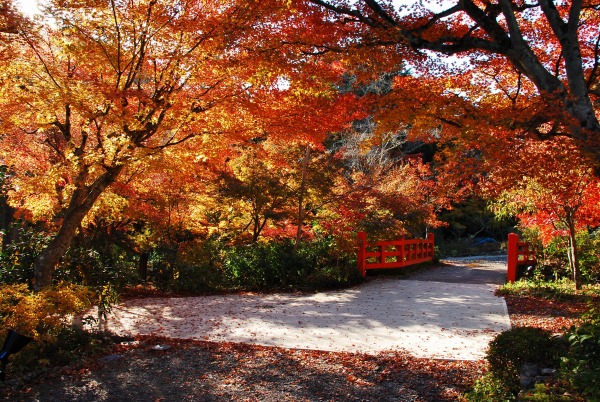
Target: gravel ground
162,369
429,319
205,371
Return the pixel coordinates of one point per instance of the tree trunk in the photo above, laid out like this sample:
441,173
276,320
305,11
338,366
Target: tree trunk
143,265
574,257
258,227
300,220
10,233
81,202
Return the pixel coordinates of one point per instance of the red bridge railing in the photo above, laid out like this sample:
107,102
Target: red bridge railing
393,253
519,253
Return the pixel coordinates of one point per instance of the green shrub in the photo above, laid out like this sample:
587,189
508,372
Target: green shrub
553,262
164,268
199,268
589,255
326,266
259,265
210,266
198,279
582,363
553,392
83,265
563,289
513,348
274,265
16,259
92,268
488,388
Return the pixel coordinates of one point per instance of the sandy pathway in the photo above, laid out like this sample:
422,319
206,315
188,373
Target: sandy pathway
427,317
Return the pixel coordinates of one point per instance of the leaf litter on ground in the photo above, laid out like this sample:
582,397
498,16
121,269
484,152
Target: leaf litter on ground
211,371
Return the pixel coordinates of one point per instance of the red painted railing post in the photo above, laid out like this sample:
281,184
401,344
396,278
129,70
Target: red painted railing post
430,246
402,255
511,272
362,250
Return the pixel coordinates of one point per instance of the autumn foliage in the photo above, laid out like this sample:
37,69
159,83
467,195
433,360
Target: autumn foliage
558,197
120,95
42,315
166,126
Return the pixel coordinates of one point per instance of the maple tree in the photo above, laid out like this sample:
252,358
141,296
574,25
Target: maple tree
559,196
262,190
121,114
10,19
539,59
115,83
483,76
158,203
271,188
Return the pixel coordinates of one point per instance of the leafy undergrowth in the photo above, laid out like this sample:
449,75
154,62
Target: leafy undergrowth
196,370
538,312
562,323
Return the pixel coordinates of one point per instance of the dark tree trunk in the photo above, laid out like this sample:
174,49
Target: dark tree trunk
7,227
300,220
143,265
81,202
573,254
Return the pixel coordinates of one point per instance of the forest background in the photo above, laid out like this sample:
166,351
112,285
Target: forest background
193,147
212,146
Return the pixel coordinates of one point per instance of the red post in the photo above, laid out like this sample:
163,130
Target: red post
362,250
430,246
402,255
511,273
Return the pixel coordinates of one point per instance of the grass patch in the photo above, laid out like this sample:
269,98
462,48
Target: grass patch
563,289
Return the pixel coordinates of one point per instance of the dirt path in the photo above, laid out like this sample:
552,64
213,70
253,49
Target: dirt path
468,270
447,312
234,371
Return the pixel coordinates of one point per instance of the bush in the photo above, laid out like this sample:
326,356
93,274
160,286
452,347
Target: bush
326,266
555,391
259,266
16,260
274,265
89,267
82,265
563,289
488,388
211,266
71,347
553,262
45,314
511,349
199,269
196,279
589,256
582,363
48,317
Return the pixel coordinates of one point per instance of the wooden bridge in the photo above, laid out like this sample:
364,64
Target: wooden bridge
393,253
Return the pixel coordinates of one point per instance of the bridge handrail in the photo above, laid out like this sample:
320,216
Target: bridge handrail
519,253
405,252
